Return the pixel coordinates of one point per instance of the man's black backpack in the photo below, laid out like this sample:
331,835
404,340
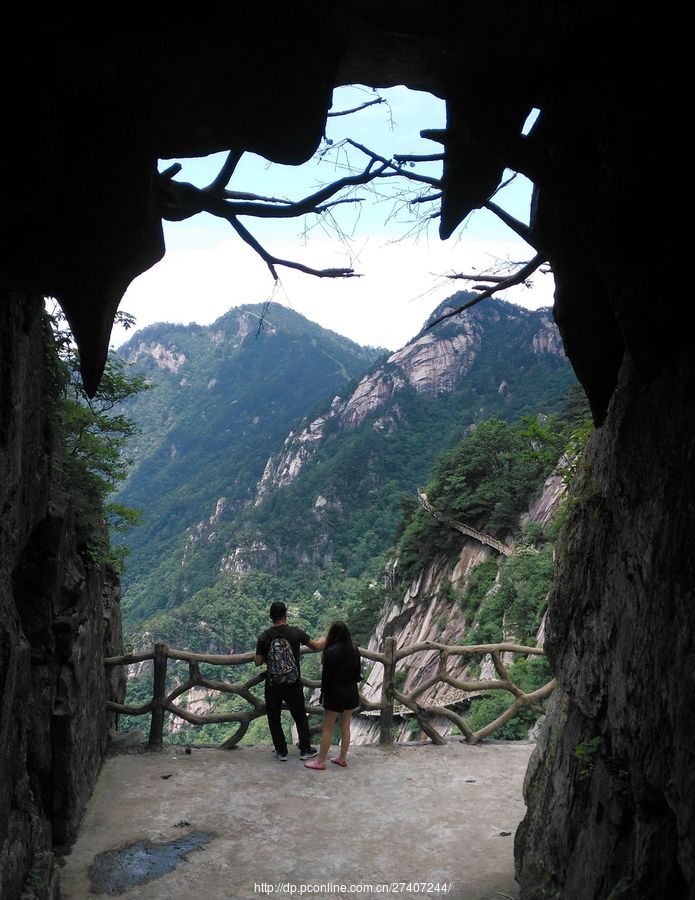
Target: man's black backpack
280,662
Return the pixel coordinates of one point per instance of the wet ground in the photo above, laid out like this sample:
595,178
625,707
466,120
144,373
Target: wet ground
413,821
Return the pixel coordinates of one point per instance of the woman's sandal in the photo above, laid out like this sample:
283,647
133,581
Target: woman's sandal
314,764
339,762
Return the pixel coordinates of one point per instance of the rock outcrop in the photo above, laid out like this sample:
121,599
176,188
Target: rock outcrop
432,364
168,358
613,778
59,617
205,530
429,611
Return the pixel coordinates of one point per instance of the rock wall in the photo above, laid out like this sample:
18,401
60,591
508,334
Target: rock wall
610,790
427,611
58,617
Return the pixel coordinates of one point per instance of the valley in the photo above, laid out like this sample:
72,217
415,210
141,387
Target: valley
279,461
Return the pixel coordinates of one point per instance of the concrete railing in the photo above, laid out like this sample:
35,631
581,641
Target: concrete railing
162,702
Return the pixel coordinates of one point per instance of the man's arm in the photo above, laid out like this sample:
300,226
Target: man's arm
258,660
318,644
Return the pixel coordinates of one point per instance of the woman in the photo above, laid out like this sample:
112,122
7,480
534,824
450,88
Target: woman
340,674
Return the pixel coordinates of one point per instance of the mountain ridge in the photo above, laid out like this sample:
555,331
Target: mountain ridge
225,395
327,493
432,364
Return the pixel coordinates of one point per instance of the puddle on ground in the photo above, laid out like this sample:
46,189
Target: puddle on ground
115,871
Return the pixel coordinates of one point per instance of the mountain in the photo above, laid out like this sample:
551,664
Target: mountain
470,595
333,492
253,489
224,396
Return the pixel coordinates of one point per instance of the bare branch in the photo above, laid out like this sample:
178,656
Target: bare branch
182,200
497,279
347,112
397,170
173,169
522,230
426,198
301,207
225,174
517,278
419,157
503,184
273,261
245,195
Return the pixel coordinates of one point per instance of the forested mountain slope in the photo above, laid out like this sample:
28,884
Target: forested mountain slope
224,396
253,489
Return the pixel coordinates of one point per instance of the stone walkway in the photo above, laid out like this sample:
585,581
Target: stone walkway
411,814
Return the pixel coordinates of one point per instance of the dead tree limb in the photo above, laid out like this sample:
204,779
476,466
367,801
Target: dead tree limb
517,277
419,157
273,261
348,112
518,227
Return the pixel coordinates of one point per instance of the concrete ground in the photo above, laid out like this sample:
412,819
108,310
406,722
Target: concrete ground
401,817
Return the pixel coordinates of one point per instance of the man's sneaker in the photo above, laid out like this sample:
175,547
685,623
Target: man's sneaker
307,754
281,756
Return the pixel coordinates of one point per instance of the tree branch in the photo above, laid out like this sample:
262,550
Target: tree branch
419,157
518,227
397,170
245,195
173,169
347,112
272,261
426,198
517,278
225,174
182,200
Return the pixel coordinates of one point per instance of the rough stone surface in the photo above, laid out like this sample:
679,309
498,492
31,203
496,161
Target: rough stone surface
428,612
57,617
102,105
422,814
621,822
433,364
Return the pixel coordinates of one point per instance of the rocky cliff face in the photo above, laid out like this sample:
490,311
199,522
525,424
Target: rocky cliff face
428,612
432,364
58,618
621,639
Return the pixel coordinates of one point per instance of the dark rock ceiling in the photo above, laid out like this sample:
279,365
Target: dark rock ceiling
89,108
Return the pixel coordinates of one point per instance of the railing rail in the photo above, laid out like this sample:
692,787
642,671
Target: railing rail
163,702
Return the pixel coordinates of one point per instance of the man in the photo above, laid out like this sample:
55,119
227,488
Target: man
278,648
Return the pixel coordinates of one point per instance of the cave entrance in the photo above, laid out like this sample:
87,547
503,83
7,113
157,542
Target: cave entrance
385,228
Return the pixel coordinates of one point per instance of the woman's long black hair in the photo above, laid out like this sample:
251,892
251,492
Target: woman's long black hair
340,649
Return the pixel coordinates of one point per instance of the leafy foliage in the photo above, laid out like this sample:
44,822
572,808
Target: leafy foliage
486,482
201,444
95,433
324,560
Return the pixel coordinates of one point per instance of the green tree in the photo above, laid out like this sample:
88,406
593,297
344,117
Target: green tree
94,434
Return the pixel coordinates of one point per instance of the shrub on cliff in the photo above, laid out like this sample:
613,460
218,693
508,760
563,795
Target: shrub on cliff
93,434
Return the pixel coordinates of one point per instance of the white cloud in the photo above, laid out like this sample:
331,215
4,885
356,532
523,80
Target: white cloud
401,283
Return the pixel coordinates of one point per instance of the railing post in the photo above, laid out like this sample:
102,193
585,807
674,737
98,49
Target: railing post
159,684
386,717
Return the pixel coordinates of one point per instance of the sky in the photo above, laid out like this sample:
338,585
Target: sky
403,265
